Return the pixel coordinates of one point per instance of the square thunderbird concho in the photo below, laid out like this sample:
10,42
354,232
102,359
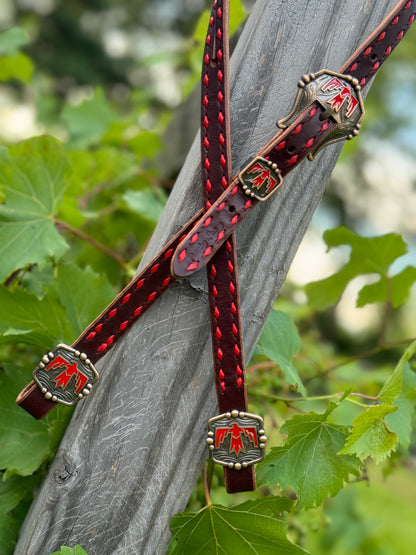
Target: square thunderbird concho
65,375
236,439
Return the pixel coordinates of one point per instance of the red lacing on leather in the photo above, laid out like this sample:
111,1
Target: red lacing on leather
400,19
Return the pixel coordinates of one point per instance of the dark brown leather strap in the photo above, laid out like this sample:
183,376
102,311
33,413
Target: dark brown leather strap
116,319
286,149
222,269
289,147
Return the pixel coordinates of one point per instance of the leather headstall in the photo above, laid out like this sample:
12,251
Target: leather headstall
328,108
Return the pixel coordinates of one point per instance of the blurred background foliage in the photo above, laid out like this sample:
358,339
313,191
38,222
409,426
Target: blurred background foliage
105,80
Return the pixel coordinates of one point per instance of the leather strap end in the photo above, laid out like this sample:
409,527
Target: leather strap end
33,402
240,480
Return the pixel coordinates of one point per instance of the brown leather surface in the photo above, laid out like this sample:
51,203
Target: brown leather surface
288,148
222,269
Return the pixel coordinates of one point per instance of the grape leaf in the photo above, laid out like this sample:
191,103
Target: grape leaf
369,255
88,122
370,436
393,386
33,176
399,390
280,341
398,287
309,460
24,318
250,528
69,551
83,294
24,441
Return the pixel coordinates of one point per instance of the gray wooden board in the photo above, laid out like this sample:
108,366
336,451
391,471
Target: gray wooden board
133,451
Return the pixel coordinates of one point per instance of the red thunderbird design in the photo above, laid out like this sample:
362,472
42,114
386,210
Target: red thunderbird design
258,175
237,433
344,95
68,370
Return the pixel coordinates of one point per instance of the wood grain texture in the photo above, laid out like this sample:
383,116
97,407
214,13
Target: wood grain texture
133,451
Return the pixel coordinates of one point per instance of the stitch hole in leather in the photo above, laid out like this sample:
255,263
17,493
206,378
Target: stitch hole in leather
231,208
291,149
373,57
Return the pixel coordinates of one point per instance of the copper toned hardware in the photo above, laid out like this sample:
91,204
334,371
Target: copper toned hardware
65,375
341,99
236,439
260,178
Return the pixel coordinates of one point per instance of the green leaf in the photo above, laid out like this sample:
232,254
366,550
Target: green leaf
280,341
25,318
13,490
393,386
12,40
370,436
400,422
68,551
309,460
24,441
33,176
401,284
397,288
145,203
83,294
88,122
369,255
16,66
250,528
237,16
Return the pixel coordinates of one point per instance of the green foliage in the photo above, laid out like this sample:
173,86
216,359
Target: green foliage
33,176
88,122
14,64
250,528
369,255
280,342
309,460
68,551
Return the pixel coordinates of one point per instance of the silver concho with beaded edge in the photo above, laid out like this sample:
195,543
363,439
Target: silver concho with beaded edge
65,375
341,99
236,439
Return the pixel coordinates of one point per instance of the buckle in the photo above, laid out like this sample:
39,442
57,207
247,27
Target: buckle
236,439
341,99
65,375
260,178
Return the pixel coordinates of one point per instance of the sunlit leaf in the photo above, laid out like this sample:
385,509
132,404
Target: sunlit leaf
16,66
69,551
309,460
369,255
370,436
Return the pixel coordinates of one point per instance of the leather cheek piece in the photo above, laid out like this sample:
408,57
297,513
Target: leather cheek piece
228,360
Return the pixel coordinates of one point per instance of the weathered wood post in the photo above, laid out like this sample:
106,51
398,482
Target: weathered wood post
133,451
